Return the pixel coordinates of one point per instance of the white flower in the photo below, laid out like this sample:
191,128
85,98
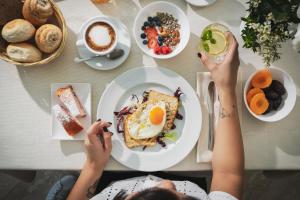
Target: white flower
270,17
255,3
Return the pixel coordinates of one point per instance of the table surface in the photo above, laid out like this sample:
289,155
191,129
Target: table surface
25,119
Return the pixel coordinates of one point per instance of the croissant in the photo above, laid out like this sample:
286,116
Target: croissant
37,11
48,38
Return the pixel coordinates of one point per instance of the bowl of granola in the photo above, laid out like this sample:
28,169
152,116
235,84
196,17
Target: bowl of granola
161,30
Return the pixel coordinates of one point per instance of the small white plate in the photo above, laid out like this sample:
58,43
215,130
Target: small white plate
136,81
201,3
103,63
150,10
83,91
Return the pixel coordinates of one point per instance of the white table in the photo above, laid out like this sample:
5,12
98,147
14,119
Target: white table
25,121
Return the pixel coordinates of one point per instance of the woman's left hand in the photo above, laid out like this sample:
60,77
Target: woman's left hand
98,147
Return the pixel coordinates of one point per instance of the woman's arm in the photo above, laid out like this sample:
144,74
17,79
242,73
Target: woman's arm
98,154
228,153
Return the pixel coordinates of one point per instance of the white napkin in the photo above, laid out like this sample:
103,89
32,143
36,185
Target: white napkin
203,79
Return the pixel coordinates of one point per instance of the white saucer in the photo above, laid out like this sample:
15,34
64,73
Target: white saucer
102,63
201,3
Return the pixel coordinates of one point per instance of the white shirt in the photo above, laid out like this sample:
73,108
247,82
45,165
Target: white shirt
140,183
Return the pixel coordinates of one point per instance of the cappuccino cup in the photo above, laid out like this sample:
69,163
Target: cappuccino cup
99,36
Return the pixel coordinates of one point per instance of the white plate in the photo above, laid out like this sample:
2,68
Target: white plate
150,10
103,63
83,91
136,81
201,3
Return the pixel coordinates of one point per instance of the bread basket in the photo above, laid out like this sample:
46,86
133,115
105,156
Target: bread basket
12,9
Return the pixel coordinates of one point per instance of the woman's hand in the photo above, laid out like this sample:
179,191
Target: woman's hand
227,170
98,147
224,74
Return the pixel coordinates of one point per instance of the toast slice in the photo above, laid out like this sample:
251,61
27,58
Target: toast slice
172,104
70,123
69,99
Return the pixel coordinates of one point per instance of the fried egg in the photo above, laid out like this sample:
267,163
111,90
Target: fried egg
148,122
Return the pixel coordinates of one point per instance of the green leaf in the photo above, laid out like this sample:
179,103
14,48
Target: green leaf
172,136
207,35
280,16
206,47
213,41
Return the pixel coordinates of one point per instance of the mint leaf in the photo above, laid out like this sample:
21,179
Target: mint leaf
213,41
207,35
206,47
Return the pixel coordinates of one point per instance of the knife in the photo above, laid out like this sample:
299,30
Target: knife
210,105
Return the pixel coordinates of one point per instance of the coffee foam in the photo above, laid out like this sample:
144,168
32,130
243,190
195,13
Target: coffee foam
100,35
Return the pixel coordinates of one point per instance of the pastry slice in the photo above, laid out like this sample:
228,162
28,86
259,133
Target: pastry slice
70,124
69,99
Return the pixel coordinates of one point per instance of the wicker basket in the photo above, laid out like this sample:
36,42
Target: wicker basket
56,19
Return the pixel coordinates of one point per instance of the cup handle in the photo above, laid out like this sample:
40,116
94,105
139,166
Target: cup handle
80,42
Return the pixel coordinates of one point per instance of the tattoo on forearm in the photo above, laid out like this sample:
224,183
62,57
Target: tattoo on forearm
92,189
225,113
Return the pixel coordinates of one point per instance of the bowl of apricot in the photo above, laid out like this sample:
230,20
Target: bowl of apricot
270,94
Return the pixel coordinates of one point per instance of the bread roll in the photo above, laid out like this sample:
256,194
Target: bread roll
18,30
37,11
41,8
48,38
23,52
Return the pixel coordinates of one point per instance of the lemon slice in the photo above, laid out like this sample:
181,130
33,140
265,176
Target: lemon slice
219,46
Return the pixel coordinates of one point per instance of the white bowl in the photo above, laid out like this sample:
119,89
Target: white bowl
289,99
150,10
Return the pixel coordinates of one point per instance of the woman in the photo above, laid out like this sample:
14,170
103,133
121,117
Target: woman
227,161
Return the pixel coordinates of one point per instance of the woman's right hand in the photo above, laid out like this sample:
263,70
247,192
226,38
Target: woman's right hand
224,74
98,150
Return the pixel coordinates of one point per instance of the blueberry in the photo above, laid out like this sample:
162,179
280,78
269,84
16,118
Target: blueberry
160,38
143,27
146,23
160,43
145,42
155,19
143,35
158,23
150,19
152,24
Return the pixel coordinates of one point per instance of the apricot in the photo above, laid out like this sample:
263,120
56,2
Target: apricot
253,92
259,104
262,79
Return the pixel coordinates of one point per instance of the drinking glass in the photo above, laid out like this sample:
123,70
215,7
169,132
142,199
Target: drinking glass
214,42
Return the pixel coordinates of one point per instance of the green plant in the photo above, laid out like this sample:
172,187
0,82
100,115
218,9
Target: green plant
266,26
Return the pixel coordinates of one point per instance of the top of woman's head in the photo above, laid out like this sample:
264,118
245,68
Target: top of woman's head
153,194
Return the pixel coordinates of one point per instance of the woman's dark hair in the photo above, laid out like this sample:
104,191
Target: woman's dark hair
152,194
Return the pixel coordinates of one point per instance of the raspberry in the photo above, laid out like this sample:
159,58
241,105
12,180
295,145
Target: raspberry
157,50
166,50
